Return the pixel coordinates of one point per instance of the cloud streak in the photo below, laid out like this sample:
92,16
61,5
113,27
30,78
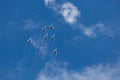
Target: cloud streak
49,2
54,71
71,14
41,45
30,25
94,30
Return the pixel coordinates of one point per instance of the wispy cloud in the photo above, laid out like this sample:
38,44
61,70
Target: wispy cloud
30,24
41,45
69,11
54,71
88,31
17,73
94,30
24,25
71,14
49,3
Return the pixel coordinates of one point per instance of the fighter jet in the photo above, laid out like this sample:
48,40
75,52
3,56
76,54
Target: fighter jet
53,37
54,51
45,36
44,29
51,27
30,40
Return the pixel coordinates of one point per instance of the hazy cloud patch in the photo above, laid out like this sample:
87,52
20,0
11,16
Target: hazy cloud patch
54,71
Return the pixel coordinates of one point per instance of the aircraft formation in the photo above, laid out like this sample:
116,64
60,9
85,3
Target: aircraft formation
47,36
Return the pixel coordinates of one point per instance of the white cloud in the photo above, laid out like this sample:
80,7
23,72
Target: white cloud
69,12
94,30
103,29
53,71
89,32
49,3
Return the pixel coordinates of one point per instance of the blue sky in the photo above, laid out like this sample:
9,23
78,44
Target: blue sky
87,39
